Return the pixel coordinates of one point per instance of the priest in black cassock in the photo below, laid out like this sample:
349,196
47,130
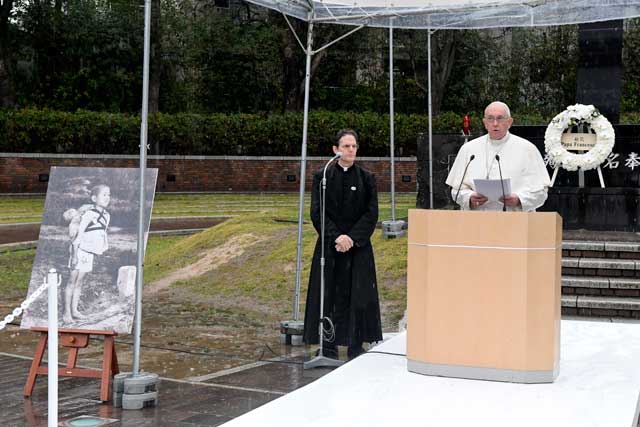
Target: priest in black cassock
351,289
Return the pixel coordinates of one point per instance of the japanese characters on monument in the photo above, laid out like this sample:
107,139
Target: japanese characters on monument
613,161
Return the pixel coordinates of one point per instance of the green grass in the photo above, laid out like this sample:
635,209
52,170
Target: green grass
16,209
16,271
16,265
260,280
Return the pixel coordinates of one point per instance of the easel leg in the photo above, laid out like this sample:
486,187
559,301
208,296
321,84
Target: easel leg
72,359
37,360
601,178
553,178
107,356
115,369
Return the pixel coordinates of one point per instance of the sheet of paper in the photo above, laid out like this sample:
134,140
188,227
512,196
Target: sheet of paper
492,188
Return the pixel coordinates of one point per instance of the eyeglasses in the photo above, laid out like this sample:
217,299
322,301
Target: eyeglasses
498,119
354,146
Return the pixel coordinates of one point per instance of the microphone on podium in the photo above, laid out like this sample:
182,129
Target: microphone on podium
504,206
455,200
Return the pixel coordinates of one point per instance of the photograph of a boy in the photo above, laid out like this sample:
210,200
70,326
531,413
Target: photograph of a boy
88,233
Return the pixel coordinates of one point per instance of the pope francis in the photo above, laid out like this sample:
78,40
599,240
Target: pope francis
499,151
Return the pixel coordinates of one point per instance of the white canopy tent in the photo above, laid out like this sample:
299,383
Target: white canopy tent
410,14
415,14
430,15
456,14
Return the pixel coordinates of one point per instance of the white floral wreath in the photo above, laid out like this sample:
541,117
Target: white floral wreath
574,114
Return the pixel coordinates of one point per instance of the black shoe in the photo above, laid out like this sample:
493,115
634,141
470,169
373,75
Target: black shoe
355,351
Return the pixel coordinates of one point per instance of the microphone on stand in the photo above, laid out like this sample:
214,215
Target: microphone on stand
504,206
324,173
455,200
320,359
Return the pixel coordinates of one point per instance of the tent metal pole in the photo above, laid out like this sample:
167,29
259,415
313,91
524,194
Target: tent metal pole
430,120
345,35
303,170
391,123
141,202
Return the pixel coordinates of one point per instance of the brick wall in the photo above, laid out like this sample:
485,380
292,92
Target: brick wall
27,173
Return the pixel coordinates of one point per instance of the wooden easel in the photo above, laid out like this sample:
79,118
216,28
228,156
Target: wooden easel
75,339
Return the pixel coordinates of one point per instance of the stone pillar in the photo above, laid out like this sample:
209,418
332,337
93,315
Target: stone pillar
600,67
445,148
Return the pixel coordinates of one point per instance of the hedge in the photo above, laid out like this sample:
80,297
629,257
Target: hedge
87,132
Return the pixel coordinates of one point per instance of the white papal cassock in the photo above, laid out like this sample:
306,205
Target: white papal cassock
520,160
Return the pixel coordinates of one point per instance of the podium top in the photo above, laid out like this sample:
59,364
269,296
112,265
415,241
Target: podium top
509,230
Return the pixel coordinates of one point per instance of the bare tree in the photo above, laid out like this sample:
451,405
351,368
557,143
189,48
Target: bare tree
294,62
443,56
155,72
7,85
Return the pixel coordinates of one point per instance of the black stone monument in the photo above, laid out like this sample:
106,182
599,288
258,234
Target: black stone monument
600,67
616,207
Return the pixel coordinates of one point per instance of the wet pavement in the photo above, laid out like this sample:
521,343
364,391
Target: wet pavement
214,367
180,403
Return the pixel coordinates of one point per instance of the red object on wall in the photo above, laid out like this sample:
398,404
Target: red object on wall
466,125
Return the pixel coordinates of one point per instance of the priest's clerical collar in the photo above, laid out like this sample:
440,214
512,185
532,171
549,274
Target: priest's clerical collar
344,168
499,141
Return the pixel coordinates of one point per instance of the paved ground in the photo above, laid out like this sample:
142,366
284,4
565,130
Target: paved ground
218,380
181,403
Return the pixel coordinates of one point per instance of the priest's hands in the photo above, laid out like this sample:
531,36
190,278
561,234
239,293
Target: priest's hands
343,243
476,200
512,200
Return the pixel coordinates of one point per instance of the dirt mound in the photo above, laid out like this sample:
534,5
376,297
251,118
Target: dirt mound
210,260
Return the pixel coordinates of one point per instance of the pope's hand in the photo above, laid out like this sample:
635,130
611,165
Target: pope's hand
477,200
512,200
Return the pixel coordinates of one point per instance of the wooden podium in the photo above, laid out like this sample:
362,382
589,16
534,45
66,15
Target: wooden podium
483,295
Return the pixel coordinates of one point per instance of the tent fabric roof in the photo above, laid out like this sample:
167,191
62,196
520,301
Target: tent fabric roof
455,14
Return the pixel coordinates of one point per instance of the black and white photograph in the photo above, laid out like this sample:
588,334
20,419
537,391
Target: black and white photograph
89,236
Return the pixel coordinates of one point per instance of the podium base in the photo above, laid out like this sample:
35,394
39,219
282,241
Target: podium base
322,362
479,373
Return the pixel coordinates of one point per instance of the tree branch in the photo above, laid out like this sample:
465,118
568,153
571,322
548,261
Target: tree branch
315,63
415,76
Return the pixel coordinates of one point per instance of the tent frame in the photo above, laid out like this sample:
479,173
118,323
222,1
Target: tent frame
492,14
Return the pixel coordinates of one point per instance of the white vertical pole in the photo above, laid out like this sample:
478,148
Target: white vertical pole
141,201
53,280
391,123
303,170
430,122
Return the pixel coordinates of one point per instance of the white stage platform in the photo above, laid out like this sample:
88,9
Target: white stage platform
598,385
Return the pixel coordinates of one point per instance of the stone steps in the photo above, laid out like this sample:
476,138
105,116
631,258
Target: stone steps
601,279
598,306
579,245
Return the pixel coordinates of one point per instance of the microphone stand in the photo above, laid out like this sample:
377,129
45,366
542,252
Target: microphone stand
455,201
504,206
321,360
